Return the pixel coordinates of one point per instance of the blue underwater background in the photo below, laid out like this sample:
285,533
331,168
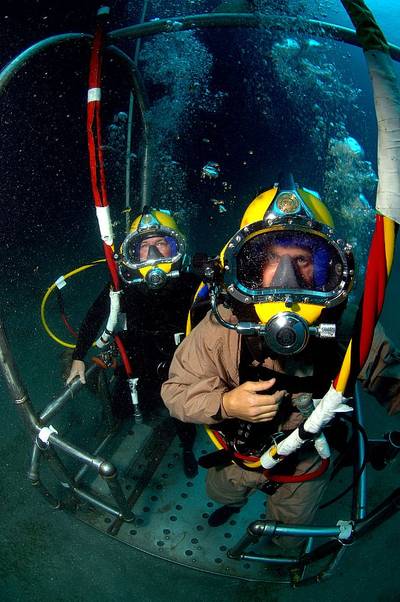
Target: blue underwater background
253,101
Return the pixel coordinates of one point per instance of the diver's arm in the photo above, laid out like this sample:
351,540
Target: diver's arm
87,333
203,382
380,375
251,401
190,395
194,389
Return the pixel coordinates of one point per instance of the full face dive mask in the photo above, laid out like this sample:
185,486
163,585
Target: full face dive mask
153,251
287,264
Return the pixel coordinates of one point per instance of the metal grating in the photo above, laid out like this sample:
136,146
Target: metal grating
171,512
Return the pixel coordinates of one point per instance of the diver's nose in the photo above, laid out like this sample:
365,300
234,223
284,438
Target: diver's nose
154,253
285,275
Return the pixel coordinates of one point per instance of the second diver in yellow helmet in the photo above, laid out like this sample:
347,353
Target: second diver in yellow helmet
157,293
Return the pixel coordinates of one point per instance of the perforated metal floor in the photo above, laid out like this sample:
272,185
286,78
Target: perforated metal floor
171,511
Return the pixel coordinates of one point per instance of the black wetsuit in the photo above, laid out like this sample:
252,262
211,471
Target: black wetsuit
153,317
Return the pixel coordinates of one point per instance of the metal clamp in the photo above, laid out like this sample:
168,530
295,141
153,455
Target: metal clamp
45,433
346,530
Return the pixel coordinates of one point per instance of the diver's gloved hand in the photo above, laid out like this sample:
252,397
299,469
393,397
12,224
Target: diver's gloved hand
77,369
248,402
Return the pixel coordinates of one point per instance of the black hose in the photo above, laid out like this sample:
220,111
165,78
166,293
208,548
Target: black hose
382,512
60,301
358,474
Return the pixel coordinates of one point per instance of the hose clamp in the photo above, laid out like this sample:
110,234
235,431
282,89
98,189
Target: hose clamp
45,433
345,530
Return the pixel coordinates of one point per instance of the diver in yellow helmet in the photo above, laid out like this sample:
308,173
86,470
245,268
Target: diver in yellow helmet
154,250
157,293
250,370
285,269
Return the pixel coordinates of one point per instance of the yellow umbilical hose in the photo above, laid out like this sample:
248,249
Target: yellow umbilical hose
49,292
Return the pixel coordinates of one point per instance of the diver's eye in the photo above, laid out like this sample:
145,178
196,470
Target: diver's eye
303,261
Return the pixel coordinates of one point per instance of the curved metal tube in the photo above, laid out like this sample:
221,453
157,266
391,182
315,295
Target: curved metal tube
9,369
280,23
140,93
135,77
271,528
360,494
15,386
267,528
22,59
136,83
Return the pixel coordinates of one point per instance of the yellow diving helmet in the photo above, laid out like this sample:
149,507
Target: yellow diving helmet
285,265
153,251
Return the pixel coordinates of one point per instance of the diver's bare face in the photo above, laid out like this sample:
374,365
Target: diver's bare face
301,259
155,241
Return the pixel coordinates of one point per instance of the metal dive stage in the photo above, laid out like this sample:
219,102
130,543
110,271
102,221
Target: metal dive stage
126,480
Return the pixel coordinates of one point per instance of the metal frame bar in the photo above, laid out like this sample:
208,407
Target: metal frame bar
135,80
48,448
246,20
215,20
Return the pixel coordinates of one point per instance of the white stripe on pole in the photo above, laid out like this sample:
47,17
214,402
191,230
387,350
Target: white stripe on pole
94,94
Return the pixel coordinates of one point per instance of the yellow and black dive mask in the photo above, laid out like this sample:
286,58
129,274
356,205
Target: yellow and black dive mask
153,251
287,264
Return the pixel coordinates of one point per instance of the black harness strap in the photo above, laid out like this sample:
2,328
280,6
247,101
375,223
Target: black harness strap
253,350
220,458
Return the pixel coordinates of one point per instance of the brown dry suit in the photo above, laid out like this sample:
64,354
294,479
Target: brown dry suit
205,366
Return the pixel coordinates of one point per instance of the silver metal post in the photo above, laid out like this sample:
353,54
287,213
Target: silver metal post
69,392
360,500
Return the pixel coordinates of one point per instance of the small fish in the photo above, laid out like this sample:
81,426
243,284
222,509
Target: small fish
210,170
219,204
